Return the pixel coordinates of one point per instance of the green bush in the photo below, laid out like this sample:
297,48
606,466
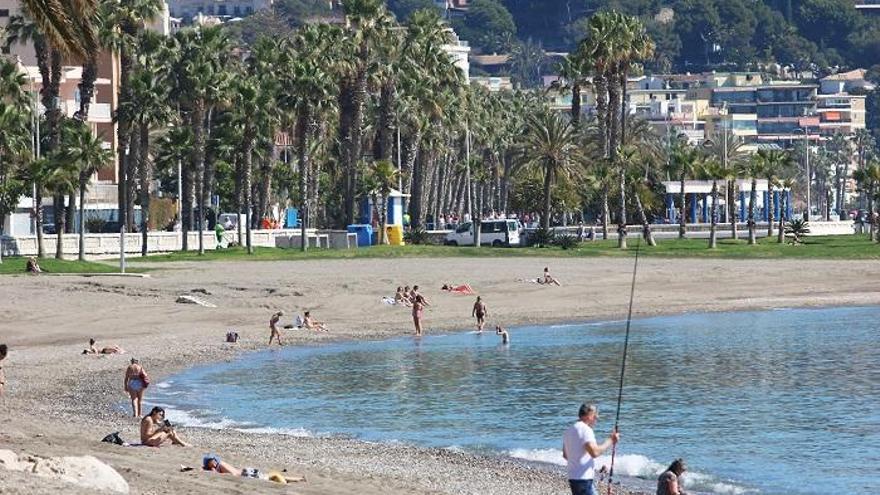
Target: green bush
416,236
566,241
95,225
541,238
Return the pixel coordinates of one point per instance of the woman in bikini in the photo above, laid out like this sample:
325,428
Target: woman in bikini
480,312
310,323
418,311
155,430
135,383
106,350
273,327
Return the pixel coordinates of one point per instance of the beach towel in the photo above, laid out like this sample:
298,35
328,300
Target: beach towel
388,300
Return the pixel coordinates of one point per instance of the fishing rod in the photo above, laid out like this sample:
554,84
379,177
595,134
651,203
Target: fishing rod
629,313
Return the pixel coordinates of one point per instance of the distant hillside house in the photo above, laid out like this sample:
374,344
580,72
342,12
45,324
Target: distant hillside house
452,8
188,9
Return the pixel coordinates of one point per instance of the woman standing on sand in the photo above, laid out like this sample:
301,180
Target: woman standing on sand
3,351
135,382
418,311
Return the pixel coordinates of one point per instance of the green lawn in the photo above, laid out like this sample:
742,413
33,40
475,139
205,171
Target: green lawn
828,247
16,265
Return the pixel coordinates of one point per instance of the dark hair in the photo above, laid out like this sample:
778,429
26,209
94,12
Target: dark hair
156,410
586,409
3,350
306,313
677,466
415,287
91,341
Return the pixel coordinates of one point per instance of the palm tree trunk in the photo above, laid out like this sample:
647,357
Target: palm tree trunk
753,198
186,203
71,213
646,226
731,208
353,155
548,181
302,133
248,192
60,222
123,128
82,220
87,88
198,157
842,194
144,176
605,213
621,225
38,215
600,84
131,179
575,103
384,131
682,218
781,234
713,243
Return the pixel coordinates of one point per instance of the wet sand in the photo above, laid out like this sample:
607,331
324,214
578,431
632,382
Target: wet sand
59,402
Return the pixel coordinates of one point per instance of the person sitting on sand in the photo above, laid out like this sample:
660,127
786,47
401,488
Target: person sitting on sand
33,266
547,279
156,430
669,482
400,297
135,382
106,350
505,337
3,351
465,289
310,323
273,328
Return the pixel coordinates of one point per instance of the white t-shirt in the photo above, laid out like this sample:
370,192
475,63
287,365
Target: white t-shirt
581,465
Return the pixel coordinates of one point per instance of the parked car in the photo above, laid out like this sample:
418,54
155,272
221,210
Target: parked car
492,232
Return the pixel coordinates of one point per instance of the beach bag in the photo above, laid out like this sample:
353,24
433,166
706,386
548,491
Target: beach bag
232,337
145,378
113,438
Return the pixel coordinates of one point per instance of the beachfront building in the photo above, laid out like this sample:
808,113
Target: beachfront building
493,84
698,197
459,51
223,9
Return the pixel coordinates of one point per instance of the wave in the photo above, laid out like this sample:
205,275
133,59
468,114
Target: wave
638,466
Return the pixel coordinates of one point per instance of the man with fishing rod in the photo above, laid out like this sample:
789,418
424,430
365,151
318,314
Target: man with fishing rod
580,449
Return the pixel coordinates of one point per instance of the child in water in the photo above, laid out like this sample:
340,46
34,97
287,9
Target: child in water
505,337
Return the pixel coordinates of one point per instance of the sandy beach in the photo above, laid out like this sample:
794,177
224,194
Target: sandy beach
59,402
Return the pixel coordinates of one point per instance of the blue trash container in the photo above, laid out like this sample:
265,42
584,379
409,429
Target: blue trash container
364,234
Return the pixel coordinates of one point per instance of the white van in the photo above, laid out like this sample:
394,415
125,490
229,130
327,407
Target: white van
492,232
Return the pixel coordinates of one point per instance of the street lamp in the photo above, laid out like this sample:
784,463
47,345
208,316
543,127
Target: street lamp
807,167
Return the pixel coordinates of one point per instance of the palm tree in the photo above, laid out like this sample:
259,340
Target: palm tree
573,71
201,79
776,163
146,109
61,179
755,168
66,24
630,158
87,153
786,185
868,179
382,179
728,152
550,144
13,147
683,163
367,22
712,170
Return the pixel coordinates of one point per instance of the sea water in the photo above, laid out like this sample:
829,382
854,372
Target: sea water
772,402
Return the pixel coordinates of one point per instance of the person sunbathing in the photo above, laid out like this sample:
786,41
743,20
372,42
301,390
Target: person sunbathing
459,289
310,323
156,430
104,350
213,463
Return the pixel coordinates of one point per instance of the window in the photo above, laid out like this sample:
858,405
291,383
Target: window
221,10
4,12
236,11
